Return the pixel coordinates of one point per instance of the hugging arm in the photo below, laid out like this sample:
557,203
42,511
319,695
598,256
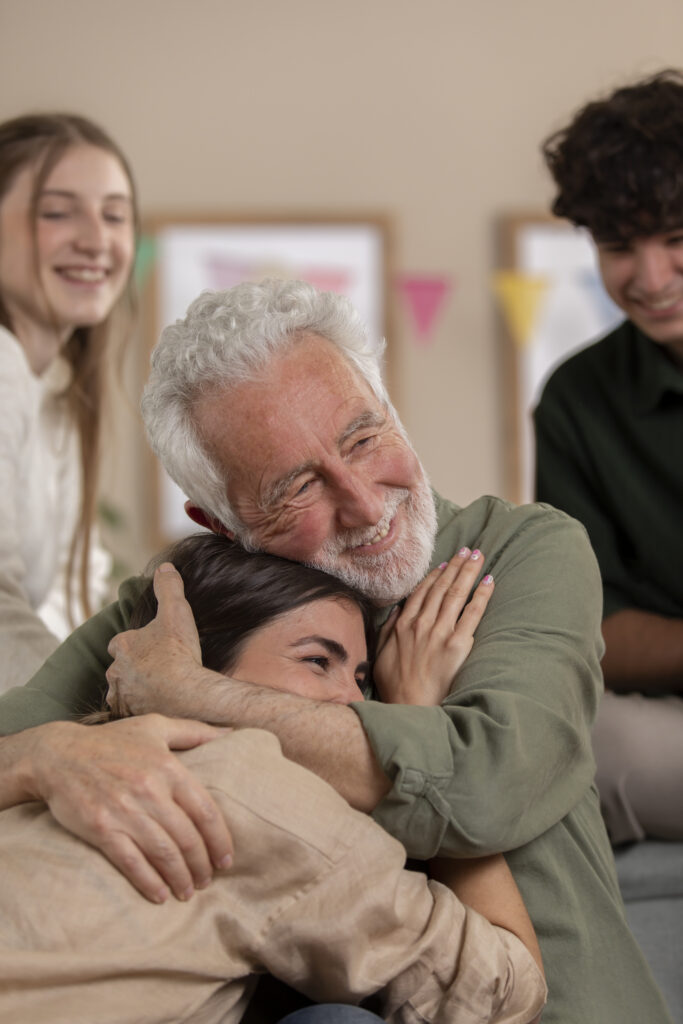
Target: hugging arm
526,696
119,786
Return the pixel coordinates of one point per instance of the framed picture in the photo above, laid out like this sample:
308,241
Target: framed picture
553,303
181,256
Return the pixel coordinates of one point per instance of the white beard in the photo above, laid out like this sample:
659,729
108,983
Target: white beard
390,575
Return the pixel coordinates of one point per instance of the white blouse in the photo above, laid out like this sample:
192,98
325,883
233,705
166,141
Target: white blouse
40,494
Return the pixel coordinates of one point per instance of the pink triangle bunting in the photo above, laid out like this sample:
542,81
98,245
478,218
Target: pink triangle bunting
424,295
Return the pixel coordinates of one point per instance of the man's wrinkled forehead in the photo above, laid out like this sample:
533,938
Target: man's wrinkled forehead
309,387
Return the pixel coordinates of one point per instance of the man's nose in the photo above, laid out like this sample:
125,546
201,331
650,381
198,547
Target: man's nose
361,501
654,269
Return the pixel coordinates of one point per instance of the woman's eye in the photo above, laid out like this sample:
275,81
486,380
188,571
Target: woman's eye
53,214
318,659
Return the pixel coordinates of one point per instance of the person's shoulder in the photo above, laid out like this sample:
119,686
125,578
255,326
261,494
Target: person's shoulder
494,523
600,362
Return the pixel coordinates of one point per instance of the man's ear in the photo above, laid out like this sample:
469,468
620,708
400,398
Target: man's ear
202,518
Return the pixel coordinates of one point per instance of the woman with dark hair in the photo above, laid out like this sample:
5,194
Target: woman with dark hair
68,220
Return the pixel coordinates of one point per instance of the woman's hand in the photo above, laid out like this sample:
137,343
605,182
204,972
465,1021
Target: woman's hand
423,646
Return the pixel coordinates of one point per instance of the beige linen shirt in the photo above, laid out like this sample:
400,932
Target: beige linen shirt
317,895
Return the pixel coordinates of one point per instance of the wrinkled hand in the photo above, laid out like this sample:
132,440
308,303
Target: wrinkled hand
119,787
159,667
423,646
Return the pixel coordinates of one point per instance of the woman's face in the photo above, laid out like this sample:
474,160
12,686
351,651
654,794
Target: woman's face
317,651
84,244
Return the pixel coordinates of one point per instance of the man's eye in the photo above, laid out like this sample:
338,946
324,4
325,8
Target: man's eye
53,214
363,441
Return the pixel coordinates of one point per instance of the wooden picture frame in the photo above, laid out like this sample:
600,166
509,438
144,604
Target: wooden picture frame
573,310
182,254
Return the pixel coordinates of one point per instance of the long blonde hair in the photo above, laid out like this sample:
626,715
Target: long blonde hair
42,139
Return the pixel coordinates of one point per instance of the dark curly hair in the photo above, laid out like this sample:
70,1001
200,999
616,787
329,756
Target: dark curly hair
619,164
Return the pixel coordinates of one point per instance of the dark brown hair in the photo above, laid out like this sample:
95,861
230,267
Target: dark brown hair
618,165
233,593
41,140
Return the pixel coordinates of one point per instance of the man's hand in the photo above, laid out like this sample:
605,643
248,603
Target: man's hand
423,646
119,787
159,667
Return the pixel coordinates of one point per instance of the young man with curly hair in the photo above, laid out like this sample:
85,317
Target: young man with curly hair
609,430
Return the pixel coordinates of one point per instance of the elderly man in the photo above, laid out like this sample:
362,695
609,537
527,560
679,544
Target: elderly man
266,405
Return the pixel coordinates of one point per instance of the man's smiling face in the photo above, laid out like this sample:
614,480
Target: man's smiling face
319,471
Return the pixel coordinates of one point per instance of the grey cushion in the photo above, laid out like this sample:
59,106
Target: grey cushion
650,870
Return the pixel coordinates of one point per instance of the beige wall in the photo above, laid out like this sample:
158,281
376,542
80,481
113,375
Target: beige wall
428,110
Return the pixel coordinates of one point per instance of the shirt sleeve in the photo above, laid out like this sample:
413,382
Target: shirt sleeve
565,478
71,682
508,753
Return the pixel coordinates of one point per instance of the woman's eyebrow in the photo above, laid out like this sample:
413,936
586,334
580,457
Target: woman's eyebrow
66,194
331,646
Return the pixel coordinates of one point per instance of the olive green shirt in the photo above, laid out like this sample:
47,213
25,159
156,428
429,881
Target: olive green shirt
504,764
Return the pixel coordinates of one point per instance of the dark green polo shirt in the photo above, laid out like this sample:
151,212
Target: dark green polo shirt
609,451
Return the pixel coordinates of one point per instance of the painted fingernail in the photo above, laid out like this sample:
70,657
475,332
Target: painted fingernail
442,565
463,552
475,554
488,580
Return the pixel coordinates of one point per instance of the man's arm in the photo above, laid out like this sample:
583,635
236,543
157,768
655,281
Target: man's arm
526,698
160,666
120,788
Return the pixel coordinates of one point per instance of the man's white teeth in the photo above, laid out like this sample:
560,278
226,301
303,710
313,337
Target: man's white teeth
84,273
380,535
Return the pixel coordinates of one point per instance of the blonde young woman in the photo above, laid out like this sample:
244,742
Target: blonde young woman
68,220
